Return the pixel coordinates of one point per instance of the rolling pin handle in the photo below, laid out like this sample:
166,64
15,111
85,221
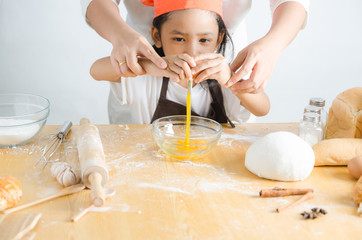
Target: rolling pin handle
84,121
97,193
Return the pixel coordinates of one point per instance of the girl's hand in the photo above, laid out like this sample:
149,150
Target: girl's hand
180,64
212,66
259,59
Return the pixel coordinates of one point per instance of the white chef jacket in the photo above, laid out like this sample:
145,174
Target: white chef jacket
140,17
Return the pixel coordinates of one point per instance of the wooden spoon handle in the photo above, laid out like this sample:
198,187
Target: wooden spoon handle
63,192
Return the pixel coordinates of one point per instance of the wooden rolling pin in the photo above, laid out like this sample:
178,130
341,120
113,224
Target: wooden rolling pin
92,160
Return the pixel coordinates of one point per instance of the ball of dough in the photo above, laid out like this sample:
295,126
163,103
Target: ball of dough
281,156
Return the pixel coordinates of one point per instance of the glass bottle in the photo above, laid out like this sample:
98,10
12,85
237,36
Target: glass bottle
320,103
310,128
313,109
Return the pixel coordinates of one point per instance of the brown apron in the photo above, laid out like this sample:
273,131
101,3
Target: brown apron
217,112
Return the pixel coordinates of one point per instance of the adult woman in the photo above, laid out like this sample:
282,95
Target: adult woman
183,32
130,38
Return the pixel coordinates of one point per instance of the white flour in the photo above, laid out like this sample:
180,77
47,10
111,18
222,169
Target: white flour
11,133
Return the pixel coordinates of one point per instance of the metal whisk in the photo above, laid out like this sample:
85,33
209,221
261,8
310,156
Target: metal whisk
52,145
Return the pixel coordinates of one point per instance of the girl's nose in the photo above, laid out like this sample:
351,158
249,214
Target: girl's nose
192,49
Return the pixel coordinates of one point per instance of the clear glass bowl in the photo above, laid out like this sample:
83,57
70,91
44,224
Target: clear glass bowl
170,132
22,117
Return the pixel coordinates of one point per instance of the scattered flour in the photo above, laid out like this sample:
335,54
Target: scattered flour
172,189
13,131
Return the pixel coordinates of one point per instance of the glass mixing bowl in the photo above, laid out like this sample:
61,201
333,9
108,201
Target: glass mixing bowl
170,132
22,116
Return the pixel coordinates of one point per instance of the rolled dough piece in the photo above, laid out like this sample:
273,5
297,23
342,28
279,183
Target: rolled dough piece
65,174
345,115
281,156
337,151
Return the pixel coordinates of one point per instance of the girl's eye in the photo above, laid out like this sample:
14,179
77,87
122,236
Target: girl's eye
178,39
204,40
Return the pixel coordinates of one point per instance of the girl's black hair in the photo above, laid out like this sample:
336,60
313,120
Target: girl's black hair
158,21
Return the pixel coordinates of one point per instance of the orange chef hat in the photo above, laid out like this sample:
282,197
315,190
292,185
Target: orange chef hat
165,6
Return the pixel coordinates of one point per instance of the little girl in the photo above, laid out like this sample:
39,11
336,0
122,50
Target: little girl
190,35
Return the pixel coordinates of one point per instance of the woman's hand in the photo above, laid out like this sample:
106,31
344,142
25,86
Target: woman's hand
211,66
258,59
129,48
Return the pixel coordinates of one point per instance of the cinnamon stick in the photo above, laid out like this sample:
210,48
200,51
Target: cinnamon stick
306,197
281,192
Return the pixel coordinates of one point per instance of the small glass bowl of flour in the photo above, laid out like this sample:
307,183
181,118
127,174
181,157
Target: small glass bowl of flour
22,116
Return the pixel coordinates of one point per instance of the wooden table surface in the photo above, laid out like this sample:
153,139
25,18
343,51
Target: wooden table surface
157,198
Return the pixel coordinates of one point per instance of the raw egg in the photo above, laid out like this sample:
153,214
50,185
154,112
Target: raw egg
355,167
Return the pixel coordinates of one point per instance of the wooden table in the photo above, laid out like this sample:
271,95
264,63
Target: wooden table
212,198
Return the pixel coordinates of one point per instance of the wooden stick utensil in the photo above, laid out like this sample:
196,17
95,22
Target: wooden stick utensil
281,192
306,197
109,192
65,191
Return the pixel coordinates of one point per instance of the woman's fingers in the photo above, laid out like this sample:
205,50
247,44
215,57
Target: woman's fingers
129,51
246,68
238,61
115,60
256,83
115,65
132,63
260,78
150,53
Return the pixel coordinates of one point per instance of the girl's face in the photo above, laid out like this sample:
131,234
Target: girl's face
191,31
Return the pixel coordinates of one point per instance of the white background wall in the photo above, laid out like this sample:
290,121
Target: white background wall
46,48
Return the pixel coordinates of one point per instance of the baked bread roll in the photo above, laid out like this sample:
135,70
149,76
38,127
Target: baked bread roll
345,115
337,151
10,192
